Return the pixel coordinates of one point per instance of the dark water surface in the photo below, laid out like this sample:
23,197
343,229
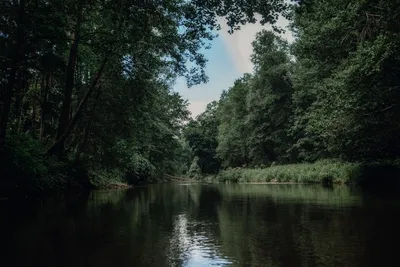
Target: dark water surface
205,225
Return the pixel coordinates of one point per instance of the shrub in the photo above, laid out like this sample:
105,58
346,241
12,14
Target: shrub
26,170
139,169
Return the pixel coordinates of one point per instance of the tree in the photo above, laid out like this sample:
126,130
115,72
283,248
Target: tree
269,101
233,132
334,93
351,111
90,81
255,113
201,135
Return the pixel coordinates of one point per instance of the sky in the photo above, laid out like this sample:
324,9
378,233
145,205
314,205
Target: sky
228,60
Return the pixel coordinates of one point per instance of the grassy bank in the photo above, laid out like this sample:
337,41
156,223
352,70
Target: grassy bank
323,172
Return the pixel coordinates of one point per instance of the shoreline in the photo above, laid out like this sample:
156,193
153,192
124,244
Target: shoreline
115,186
321,172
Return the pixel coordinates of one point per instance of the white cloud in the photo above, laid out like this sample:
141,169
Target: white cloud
239,48
197,107
239,44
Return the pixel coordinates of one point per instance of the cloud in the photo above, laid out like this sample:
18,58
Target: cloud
229,58
239,44
197,107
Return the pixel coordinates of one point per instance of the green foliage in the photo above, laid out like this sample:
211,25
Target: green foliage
194,169
232,130
325,171
201,136
90,82
27,170
138,167
347,94
269,101
333,93
252,118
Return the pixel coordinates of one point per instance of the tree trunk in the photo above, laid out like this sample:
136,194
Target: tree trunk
33,119
43,106
18,93
59,144
82,145
20,106
7,94
69,82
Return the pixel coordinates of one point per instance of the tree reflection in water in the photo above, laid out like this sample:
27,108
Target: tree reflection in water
203,225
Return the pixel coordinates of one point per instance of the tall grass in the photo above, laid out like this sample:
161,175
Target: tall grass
324,171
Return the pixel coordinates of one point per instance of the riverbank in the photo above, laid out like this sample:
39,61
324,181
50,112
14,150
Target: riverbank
321,172
26,170
54,178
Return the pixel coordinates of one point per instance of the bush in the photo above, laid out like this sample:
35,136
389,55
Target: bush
194,170
101,178
25,170
139,169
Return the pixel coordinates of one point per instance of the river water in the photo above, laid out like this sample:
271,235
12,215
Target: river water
205,225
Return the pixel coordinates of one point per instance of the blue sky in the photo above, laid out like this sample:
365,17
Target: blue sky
221,71
228,60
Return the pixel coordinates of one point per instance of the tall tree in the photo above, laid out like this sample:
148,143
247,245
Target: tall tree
269,106
14,41
201,135
353,113
233,131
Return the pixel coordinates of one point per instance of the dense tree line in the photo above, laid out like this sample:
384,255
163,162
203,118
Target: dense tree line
89,81
333,93
86,87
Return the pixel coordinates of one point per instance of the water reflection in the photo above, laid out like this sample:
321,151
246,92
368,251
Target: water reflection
190,246
204,225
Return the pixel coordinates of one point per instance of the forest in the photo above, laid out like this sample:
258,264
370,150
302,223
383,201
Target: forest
87,90
325,106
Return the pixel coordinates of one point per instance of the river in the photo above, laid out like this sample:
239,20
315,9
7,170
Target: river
204,225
